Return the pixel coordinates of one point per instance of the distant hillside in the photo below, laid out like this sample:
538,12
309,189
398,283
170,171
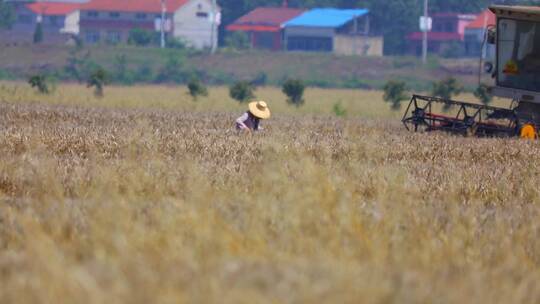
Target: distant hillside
147,65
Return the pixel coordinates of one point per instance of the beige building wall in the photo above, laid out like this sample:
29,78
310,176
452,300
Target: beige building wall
358,45
193,24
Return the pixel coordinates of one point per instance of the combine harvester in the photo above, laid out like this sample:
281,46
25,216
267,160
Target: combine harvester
517,77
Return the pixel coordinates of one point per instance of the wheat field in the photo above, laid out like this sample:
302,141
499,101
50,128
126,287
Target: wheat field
116,200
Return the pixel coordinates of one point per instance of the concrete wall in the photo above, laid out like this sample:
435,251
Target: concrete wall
358,45
192,24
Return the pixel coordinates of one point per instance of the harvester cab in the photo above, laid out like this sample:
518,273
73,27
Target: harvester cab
516,73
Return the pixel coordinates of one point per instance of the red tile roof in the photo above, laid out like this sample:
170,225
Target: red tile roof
265,19
436,36
144,6
53,8
484,19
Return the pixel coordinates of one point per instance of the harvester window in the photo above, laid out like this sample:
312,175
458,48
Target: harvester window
519,54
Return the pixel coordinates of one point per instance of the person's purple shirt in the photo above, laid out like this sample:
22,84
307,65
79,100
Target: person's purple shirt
248,121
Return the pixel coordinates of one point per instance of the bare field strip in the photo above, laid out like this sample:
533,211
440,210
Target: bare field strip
133,204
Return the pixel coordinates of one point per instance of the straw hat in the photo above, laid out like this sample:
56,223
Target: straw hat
259,109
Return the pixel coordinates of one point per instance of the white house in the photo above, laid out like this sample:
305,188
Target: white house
197,22
193,21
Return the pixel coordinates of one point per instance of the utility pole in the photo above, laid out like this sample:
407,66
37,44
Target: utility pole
214,16
162,26
425,33
39,18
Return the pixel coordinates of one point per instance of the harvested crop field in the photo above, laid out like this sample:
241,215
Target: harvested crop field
140,205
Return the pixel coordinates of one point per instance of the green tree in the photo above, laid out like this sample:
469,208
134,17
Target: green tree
482,93
7,15
394,93
294,89
140,37
237,40
4,74
196,88
98,79
394,20
143,73
38,33
242,91
174,69
121,72
79,65
39,82
176,43
339,110
446,89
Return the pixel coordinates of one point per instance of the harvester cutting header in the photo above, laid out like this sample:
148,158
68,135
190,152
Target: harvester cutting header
516,72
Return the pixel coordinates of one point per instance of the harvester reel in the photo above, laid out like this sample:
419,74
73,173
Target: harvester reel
470,120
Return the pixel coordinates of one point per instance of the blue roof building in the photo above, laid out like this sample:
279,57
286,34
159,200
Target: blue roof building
343,31
327,17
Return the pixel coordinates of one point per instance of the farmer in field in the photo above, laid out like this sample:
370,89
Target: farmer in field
250,121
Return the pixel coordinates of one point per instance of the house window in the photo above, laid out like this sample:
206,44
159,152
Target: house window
114,14
113,37
92,14
25,19
140,16
92,37
311,44
202,14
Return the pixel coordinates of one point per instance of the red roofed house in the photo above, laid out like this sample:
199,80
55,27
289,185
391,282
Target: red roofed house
265,26
59,20
447,34
475,33
193,21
